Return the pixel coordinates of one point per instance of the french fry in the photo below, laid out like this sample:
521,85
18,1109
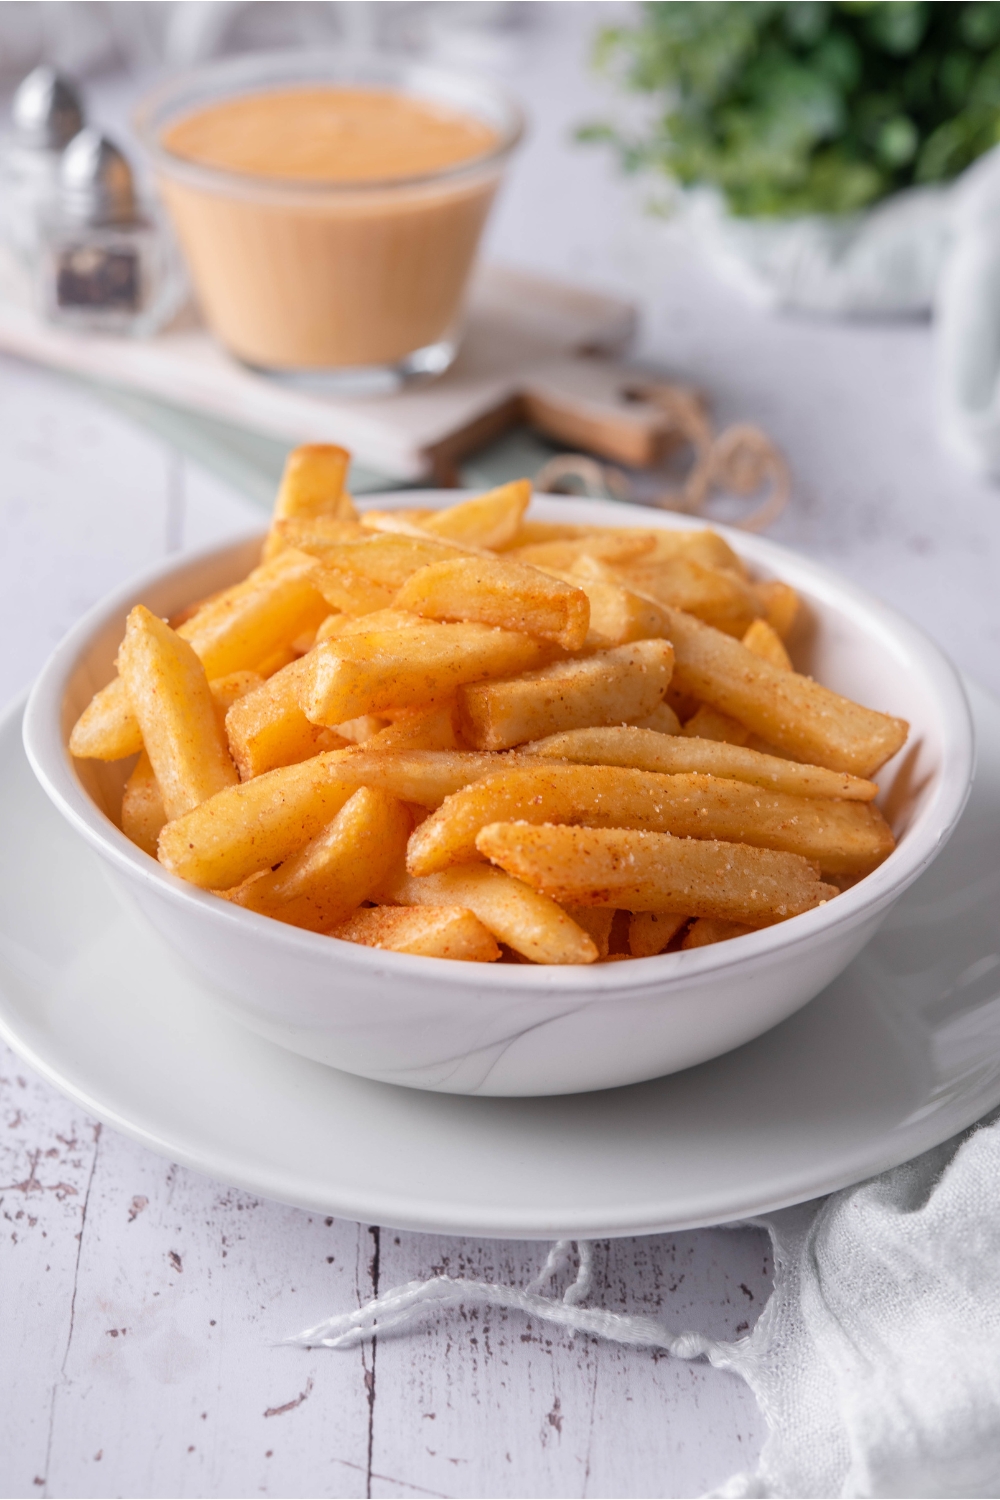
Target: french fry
709,723
649,932
663,720
424,777
490,520
267,728
143,813
362,730
530,923
597,921
432,931
230,689
352,593
617,615
711,930
255,825
720,598
494,591
370,672
388,558
381,619
780,604
610,546
312,534
313,484
763,640
431,728
795,714
530,532
318,887
172,701
840,837
107,729
654,872
703,546
248,622
609,687
622,745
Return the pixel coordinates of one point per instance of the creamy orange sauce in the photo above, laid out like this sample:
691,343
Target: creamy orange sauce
330,135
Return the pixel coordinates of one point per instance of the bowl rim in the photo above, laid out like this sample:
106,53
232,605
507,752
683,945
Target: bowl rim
53,766
253,73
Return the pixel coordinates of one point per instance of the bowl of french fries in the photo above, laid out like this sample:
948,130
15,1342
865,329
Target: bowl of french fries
502,795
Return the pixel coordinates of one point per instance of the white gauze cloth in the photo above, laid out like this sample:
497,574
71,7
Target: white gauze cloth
876,1361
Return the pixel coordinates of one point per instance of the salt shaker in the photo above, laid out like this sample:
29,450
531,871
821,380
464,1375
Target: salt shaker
106,262
46,114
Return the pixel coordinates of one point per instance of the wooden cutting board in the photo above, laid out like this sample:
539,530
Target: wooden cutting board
535,349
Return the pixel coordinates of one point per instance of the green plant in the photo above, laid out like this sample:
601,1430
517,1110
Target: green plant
808,107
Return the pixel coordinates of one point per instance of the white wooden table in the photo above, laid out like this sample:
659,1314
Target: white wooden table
140,1304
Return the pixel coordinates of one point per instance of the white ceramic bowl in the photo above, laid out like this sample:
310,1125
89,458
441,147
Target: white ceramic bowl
520,1029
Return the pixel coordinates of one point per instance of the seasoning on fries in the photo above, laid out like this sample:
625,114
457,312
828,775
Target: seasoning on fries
466,734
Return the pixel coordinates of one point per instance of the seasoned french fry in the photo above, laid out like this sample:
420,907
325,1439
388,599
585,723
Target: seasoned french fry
529,923
610,546
840,837
230,689
709,724
793,713
351,592
320,885
431,728
143,813
380,619
267,728
361,730
654,872
313,484
609,687
172,701
617,615
531,532
312,534
366,673
388,558
763,640
257,824
719,598
490,520
703,546
425,777
711,930
107,729
494,591
432,931
663,720
780,603
649,932
595,920
248,622
622,745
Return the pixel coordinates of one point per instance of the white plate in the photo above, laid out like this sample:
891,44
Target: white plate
902,1051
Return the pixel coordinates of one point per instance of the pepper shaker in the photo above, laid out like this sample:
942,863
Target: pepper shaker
46,114
107,263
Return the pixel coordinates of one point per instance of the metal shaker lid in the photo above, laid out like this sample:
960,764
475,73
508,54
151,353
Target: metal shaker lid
95,181
46,110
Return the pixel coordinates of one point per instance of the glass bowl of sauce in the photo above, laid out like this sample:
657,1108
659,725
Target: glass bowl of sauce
330,209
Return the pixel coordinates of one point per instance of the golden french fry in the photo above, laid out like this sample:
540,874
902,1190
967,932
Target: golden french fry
313,484
645,750
312,534
840,837
351,592
709,724
780,604
720,598
425,777
791,712
610,546
388,558
490,520
763,640
247,623
267,728
430,728
255,825
361,730
107,729
235,685
654,872
172,701
617,615
526,921
609,687
432,931
663,720
494,591
380,619
702,546
319,886
649,932
529,533
143,813
711,930
597,921
373,671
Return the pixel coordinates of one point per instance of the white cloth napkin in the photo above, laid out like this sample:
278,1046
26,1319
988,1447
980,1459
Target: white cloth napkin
877,1359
